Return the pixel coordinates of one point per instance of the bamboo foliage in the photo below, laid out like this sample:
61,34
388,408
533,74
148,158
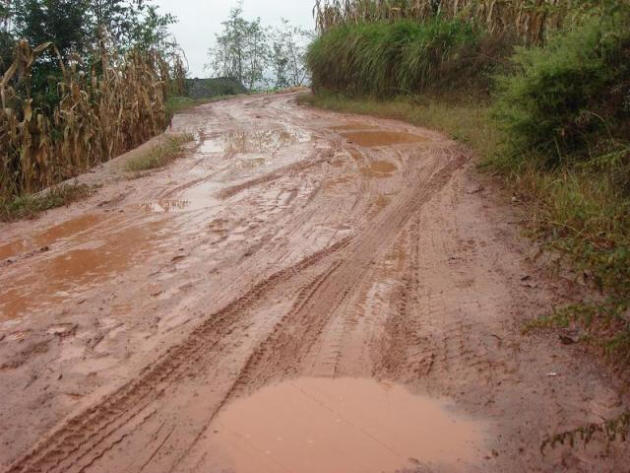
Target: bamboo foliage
114,107
529,20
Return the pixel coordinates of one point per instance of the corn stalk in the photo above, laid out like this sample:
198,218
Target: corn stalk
118,104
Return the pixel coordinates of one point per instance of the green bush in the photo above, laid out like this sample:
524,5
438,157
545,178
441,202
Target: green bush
570,99
385,59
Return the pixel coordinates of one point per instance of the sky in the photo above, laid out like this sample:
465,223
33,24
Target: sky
200,20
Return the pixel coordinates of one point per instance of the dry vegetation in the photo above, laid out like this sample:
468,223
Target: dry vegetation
528,20
115,107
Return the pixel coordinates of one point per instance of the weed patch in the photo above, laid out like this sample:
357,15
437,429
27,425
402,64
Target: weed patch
159,155
28,206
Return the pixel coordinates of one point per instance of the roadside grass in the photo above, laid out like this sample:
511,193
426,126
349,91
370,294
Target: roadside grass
29,206
577,212
466,120
159,155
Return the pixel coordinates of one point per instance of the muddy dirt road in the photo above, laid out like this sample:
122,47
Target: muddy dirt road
302,292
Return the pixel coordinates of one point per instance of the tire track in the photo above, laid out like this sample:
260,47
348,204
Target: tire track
79,436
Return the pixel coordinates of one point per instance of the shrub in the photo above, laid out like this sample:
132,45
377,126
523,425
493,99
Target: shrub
569,99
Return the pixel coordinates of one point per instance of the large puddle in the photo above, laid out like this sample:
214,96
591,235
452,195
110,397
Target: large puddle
381,138
344,425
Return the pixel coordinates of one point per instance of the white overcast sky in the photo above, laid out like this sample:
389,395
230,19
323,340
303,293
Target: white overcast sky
199,20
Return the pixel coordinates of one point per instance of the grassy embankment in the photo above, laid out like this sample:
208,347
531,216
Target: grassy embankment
552,120
159,155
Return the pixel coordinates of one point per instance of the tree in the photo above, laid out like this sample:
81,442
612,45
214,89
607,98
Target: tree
61,22
288,58
241,51
6,36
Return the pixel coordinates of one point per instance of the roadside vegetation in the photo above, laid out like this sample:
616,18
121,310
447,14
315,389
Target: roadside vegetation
260,57
82,83
541,91
160,155
30,205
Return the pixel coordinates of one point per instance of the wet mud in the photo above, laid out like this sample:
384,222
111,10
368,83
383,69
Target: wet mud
302,291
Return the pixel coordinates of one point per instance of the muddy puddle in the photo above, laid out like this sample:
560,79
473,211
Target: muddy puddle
381,138
54,279
314,425
253,141
51,235
352,126
379,169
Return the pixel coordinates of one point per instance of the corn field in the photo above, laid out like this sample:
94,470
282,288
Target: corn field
113,107
529,20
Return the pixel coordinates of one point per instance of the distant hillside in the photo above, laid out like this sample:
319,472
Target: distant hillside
206,88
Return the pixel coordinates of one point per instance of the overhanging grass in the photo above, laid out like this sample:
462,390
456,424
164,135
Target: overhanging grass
28,206
159,155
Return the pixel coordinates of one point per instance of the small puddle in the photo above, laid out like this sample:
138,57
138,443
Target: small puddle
342,425
382,138
12,249
53,279
262,141
61,231
69,228
379,169
166,206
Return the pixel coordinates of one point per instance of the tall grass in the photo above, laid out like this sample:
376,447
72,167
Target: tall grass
530,21
384,58
118,104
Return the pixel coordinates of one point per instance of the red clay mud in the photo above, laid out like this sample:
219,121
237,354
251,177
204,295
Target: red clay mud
294,268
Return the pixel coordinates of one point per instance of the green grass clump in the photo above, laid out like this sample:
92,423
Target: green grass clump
389,58
159,155
28,206
570,99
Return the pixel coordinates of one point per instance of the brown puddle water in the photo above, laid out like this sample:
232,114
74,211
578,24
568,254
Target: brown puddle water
379,169
52,234
260,141
52,279
314,425
382,138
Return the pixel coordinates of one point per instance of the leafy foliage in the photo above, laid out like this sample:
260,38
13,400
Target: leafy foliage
570,97
117,106
257,56
240,50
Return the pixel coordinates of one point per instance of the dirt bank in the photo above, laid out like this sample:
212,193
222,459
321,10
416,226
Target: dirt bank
293,260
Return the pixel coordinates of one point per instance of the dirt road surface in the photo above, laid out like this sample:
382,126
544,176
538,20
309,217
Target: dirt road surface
302,292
